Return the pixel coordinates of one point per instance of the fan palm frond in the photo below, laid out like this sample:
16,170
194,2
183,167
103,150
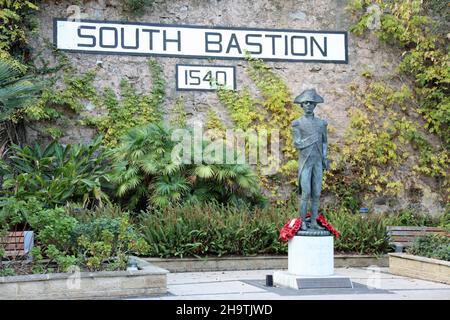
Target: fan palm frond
15,91
204,171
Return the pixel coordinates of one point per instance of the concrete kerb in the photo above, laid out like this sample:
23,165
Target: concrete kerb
258,263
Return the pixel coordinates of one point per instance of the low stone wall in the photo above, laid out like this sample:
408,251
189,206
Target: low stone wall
408,265
148,280
258,262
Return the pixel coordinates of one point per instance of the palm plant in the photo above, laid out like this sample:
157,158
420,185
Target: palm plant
15,92
147,175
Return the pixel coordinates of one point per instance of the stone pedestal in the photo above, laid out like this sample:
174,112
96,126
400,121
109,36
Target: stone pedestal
311,265
311,256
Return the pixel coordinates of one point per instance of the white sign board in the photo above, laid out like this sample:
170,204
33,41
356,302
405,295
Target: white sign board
143,39
195,77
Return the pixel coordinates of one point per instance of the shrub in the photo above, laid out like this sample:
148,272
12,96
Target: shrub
213,229
359,234
146,172
431,246
53,227
445,221
14,30
90,241
94,230
84,215
108,240
14,212
409,218
95,245
58,173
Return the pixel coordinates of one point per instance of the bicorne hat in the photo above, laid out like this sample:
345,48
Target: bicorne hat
308,95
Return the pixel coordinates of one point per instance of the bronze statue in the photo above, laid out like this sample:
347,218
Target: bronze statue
310,138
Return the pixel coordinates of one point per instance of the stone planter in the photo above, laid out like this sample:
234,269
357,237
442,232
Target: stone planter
148,280
408,265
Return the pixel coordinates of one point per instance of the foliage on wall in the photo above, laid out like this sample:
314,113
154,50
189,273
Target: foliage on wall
136,7
213,122
132,110
407,25
390,112
273,111
16,20
53,103
178,117
65,92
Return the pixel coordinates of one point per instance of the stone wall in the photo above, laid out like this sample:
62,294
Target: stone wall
331,80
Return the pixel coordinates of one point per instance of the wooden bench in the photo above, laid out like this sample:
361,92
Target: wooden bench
17,243
402,237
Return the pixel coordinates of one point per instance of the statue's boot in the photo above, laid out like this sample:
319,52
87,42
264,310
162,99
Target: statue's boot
303,208
315,215
316,226
303,227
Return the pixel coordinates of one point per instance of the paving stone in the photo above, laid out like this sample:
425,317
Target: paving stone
250,285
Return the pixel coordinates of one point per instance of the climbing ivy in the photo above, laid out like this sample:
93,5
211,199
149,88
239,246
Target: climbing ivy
408,25
213,121
178,114
274,110
242,107
75,88
15,21
277,101
425,57
131,110
380,139
65,90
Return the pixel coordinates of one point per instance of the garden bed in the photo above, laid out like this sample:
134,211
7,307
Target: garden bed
409,265
147,280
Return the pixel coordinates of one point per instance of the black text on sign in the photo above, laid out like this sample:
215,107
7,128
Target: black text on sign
190,41
196,77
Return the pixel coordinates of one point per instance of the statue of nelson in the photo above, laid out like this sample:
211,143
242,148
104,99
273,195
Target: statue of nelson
310,138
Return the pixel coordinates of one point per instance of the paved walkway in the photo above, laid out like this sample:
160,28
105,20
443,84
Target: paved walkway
369,284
